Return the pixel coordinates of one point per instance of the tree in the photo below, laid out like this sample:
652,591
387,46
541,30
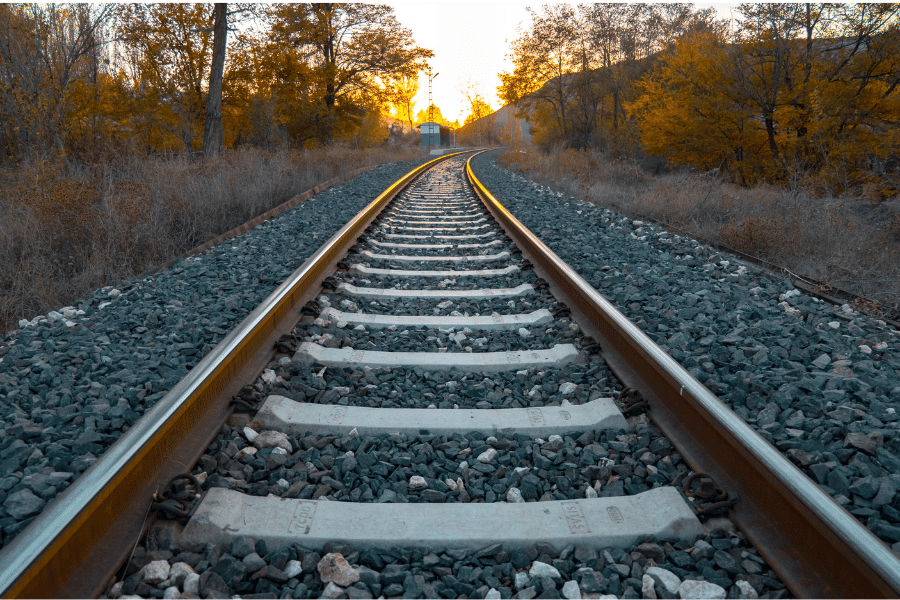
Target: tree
213,141
170,48
353,49
688,113
402,91
575,70
43,48
802,90
543,56
422,117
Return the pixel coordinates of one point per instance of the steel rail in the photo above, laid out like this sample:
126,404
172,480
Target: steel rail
817,548
78,542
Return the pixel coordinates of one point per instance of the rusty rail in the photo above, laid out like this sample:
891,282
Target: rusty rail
817,548
74,547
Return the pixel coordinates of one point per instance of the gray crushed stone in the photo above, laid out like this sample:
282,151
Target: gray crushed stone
73,380
819,382
721,562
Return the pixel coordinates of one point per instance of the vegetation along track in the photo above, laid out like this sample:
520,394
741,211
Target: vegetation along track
431,414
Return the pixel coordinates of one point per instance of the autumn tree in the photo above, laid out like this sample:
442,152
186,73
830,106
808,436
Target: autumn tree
170,47
422,117
213,141
353,50
402,91
576,69
799,91
543,56
43,49
687,114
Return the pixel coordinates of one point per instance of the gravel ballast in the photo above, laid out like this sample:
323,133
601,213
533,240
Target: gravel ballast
459,468
820,382
72,381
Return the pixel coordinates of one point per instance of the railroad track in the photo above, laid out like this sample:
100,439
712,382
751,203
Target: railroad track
440,394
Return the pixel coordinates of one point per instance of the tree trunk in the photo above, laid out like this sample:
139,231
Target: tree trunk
213,137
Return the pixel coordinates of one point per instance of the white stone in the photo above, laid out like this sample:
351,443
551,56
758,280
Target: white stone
116,590
647,587
250,434
822,361
115,292
279,450
445,304
567,388
540,569
745,590
571,591
272,439
54,316
865,349
450,484
487,456
269,376
359,328
701,589
332,590
293,568
354,432
155,571
492,595
244,452
590,492
192,584
667,581
417,482
179,572
521,580
554,438
524,332
513,494
172,593
834,324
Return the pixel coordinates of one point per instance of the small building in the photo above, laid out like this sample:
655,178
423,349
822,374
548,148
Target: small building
434,134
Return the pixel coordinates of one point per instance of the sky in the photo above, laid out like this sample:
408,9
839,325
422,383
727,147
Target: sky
470,41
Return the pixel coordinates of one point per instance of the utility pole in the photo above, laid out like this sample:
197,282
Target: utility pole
431,111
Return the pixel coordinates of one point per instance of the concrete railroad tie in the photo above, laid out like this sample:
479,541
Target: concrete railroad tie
618,522
558,355
433,246
484,323
408,258
363,292
358,269
286,415
472,236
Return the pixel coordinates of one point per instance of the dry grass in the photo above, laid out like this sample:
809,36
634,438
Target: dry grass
67,230
845,242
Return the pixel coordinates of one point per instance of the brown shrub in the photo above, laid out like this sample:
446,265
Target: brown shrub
66,230
850,243
756,236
